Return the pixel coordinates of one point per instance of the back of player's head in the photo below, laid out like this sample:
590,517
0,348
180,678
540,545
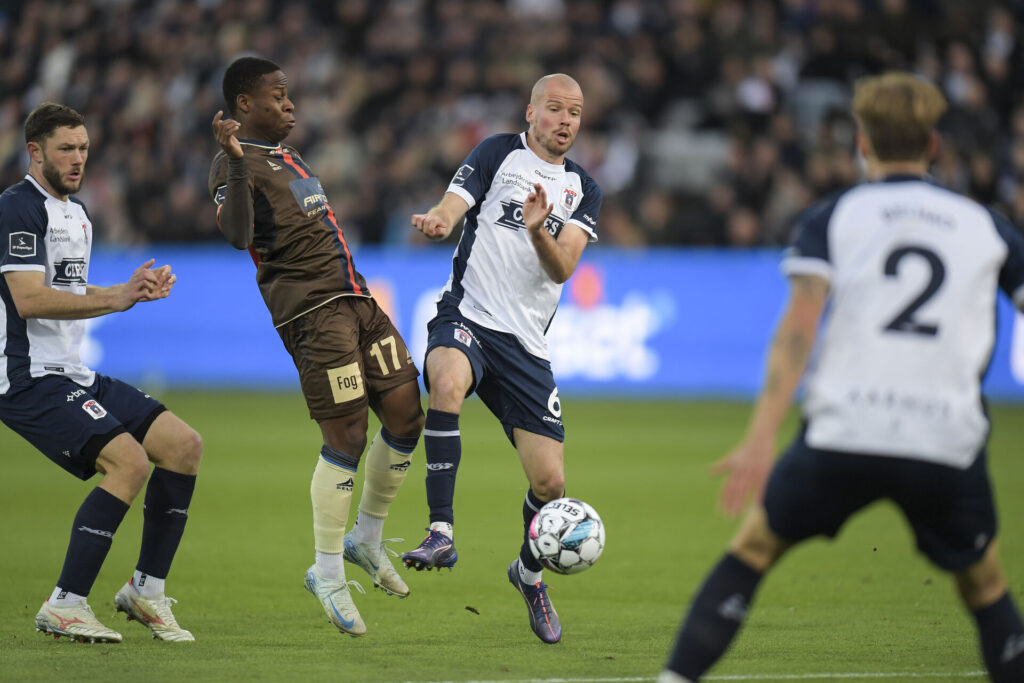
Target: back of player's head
48,117
897,111
242,76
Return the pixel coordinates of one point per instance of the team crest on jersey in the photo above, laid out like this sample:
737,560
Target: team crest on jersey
569,197
463,337
22,244
95,410
462,175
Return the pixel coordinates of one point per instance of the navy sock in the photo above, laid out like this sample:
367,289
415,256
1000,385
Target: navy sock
165,513
1002,640
91,535
715,616
530,507
443,446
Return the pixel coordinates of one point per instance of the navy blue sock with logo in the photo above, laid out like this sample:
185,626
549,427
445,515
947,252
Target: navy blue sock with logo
91,535
531,505
1002,639
443,445
165,513
715,616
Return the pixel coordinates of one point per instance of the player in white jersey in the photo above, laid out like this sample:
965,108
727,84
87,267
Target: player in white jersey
893,405
515,253
82,420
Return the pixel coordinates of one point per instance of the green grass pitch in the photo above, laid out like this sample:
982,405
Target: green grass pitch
866,604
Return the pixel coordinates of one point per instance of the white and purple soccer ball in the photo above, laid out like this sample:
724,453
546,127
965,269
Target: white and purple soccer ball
566,536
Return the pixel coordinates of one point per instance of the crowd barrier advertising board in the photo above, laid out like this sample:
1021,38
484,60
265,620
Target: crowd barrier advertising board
631,323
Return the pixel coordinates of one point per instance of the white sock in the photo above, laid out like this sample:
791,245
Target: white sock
444,527
330,565
368,529
148,586
63,598
526,576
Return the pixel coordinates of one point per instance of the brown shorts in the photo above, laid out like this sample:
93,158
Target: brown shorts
347,353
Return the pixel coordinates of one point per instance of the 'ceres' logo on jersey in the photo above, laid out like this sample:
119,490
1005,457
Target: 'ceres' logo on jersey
512,218
69,271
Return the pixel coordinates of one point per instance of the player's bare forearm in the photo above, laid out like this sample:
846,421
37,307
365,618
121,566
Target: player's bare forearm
53,304
558,256
556,260
33,299
787,357
749,464
441,219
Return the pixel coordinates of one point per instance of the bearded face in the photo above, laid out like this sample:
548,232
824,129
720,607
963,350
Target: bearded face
61,160
63,182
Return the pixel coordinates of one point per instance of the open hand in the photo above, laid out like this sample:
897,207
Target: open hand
536,208
746,468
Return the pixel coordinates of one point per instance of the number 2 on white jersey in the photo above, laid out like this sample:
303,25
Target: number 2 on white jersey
905,320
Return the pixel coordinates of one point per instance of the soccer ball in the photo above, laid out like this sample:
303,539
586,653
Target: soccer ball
566,536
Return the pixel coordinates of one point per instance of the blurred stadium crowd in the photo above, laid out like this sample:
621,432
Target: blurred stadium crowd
706,122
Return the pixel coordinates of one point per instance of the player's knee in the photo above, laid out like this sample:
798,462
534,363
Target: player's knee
447,387
549,486
756,545
346,435
405,419
190,447
125,462
982,583
413,425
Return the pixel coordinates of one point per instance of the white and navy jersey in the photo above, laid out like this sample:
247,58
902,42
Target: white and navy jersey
40,232
913,269
497,279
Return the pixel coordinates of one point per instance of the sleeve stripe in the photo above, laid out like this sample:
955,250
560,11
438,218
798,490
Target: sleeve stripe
455,189
804,265
22,266
586,228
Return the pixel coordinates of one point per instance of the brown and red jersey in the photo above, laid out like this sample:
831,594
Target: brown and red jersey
272,203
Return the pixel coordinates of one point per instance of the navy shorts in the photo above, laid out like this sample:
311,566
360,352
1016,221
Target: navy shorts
515,385
951,511
71,424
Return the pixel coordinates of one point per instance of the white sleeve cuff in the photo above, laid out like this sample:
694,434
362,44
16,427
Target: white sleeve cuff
22,266
458,190
586,228
806,265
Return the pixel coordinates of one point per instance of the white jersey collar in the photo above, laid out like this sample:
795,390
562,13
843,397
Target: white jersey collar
554,167
28,176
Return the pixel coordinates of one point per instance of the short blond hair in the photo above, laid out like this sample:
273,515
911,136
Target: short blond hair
897,111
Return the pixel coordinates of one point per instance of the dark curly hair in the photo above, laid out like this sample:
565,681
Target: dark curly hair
242,76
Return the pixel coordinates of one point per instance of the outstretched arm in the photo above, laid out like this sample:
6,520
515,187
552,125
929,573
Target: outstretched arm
33,299
558,257
235,213
439,222
747,467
